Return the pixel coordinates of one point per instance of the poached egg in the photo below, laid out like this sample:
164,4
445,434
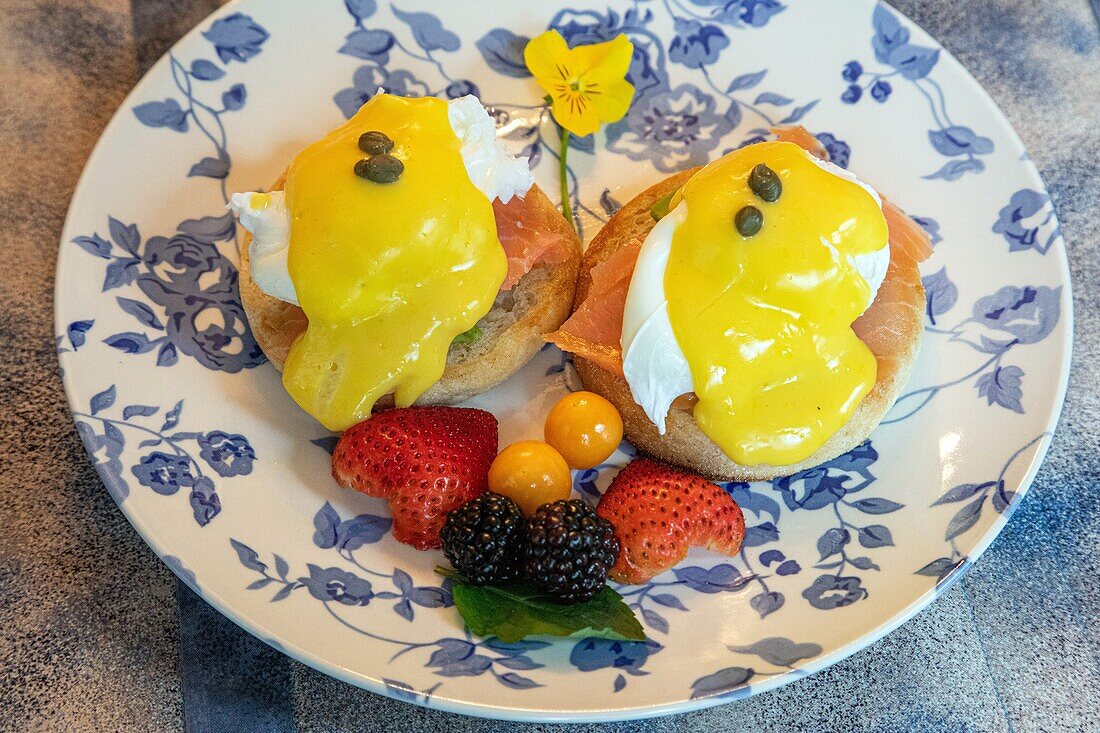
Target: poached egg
387,272
759,328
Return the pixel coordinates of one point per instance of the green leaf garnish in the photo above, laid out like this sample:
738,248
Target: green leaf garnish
659,210
467,337
517,611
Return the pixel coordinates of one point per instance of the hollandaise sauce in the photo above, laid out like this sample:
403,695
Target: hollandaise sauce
388,274
764,321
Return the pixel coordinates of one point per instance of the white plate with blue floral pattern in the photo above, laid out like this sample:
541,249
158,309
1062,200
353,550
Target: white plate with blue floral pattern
229,482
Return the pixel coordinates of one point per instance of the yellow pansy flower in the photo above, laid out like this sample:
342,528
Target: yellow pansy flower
587,84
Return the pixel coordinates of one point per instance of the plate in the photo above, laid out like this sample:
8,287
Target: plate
229,482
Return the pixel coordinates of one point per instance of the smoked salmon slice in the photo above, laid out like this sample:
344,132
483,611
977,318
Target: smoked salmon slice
528,238
907,237
596,326
801,137
900,300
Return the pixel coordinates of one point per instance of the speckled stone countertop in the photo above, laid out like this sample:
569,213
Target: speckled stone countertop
97,635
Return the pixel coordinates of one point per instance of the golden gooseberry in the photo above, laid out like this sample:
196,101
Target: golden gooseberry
585,428
531,473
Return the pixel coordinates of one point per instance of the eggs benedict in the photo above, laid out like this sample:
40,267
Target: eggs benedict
753,317
407,257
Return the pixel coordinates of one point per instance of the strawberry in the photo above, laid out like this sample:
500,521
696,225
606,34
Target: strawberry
425,460
659,511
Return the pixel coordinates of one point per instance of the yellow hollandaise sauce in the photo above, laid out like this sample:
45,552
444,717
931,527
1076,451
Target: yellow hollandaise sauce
764,321
260,201
387,273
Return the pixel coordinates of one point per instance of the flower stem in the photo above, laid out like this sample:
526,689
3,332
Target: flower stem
563,169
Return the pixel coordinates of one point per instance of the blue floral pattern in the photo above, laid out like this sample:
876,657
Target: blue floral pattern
753,500
679,126
1028,222
833,486
652,600
340,590
670,126
912,63
193,304
348,535
696,45
167,470
673,128
973,497
376,46
182,572
733,682
624,657
1008,319
228,454
839,151
236,37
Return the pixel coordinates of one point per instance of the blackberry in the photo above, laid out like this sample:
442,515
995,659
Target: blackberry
485,539
570,550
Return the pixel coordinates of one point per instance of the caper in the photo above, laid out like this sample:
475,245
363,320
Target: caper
749,220
375,142
380,168
765,183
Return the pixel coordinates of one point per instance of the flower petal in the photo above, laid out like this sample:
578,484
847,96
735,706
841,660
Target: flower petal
612,57
576,113
609,94
544,55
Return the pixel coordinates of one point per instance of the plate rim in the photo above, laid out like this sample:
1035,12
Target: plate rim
441,701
